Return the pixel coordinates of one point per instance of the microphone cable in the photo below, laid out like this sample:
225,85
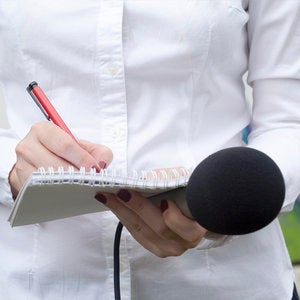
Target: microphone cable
234,191
117,240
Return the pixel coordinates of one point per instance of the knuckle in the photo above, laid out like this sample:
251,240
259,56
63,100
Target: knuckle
170,251
23,148
35,128
138,227
40,126
43,130
138,206
136,224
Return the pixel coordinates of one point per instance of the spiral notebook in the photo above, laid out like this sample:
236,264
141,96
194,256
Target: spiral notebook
55,194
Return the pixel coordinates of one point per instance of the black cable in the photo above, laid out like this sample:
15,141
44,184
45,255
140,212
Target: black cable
117,288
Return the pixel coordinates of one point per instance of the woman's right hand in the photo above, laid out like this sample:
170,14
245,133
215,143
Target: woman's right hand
47,145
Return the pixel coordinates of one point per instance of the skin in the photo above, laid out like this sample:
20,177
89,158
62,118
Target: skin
167,233
164,232
47,145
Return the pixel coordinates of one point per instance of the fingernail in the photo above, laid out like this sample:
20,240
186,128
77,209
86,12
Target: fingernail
124,195
102,164
96,168
163,205
101,198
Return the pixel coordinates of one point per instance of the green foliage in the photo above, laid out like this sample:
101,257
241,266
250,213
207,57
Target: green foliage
290,224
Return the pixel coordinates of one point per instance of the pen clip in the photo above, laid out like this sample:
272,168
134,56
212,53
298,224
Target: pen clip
29,90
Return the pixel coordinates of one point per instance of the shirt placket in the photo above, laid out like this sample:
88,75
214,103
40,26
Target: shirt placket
112,109
111,80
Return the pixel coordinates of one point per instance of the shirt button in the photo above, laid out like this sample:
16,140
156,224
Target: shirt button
113,69
116,132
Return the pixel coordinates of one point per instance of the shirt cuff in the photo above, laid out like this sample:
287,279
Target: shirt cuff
213,240
275,130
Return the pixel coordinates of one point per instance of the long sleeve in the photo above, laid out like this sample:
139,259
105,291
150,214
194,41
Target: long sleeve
8,142
160,83
274,73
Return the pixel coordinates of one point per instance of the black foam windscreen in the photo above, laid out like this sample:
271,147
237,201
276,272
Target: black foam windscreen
235,191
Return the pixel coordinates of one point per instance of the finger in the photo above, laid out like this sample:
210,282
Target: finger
134,224
148,211
18,175
125,214
101,153
38,156
188,229
29,160
166,173
61,144
23,168
142,233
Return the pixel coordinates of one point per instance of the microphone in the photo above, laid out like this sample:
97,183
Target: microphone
235,191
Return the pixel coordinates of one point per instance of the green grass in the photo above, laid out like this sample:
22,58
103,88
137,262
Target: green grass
290,224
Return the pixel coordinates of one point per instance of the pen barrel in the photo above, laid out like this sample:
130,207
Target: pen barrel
50,110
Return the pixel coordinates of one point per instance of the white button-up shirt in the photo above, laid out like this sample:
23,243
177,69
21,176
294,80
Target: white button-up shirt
160,83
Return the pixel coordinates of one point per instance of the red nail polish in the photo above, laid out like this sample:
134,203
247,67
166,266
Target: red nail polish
101,198
102,164
163,205
124,195
96,168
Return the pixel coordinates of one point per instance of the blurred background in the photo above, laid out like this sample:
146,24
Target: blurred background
290,222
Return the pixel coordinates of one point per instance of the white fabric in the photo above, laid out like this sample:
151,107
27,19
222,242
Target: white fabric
160,82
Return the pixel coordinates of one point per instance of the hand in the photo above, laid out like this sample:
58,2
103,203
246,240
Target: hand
47,145
164,231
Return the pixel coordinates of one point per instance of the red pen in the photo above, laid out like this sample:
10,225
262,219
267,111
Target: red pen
46,107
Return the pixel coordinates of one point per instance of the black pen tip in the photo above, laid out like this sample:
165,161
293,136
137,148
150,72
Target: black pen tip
32,85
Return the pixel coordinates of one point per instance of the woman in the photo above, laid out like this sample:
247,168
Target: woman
155,84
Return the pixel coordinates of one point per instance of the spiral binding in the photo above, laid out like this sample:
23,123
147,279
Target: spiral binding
163,178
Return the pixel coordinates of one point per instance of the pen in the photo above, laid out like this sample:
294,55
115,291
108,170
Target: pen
46,107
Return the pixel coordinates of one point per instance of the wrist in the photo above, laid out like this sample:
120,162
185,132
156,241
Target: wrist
13,182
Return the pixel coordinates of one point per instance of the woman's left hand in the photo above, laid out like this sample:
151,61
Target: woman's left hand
163,230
